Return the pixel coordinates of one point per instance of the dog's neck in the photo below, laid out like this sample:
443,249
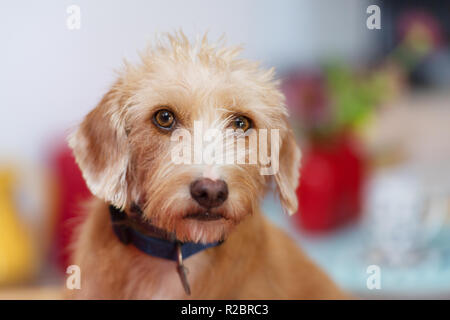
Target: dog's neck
134,219
109,263
153,241
132,229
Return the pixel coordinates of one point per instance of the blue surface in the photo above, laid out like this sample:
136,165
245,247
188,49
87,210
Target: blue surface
342,254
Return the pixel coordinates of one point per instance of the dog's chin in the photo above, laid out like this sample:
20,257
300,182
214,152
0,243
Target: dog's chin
205,226
193,230
192,223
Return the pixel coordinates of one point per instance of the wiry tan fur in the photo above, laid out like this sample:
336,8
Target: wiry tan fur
125,158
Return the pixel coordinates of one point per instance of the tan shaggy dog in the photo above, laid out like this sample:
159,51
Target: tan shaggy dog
123,150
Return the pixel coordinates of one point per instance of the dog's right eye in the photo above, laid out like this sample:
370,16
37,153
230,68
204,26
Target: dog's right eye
164,119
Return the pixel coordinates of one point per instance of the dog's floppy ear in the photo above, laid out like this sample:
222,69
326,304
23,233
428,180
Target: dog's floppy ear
100,148
288,174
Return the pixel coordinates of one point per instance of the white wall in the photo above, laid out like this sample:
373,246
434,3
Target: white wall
51,76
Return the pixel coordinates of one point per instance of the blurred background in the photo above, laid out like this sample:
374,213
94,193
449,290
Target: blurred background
370,107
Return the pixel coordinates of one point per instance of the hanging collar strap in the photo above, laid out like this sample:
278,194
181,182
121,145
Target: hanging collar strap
151,240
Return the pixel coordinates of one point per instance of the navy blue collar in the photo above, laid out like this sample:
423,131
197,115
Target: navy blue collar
165,247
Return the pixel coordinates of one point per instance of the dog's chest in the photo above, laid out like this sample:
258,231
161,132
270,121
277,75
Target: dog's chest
159,279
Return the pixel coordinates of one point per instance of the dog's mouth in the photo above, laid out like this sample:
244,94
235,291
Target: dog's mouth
204,216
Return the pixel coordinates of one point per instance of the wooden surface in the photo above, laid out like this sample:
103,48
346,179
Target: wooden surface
31,293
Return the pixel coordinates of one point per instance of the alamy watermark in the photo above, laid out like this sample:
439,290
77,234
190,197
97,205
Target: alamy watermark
73,281
374,279
374,20
73,21
227,147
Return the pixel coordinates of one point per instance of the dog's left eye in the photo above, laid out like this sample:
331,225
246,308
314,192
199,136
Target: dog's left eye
164,119
241,122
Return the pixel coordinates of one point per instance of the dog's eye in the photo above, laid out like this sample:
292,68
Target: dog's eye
164,119
241,122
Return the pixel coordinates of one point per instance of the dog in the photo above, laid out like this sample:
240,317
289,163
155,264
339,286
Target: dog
205,236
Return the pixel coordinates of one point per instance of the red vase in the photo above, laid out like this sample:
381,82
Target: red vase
331,181
73,194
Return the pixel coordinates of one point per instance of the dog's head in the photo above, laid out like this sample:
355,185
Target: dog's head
125,146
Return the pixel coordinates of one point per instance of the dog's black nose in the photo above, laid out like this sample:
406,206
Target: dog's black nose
209,193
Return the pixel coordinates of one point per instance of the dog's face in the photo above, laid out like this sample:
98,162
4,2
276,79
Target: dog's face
124,147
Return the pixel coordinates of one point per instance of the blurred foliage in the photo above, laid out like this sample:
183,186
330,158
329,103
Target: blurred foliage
353,97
